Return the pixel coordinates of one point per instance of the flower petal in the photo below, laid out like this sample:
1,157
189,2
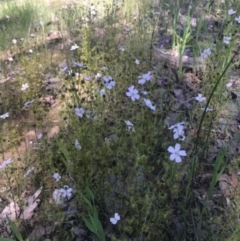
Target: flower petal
172,156
141,81
178,159
182,153
176,135
113,221
171,149
137,96
177,147
117,216
131,88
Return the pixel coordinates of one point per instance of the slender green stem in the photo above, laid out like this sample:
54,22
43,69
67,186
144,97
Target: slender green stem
192,172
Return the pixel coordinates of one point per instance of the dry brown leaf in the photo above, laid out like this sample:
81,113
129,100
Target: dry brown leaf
12,211
31,204
28,211
224,187
31,135
192,81
179,93
227,182
181,100
53,131
234,179
40,231
225,178
231,180
32,198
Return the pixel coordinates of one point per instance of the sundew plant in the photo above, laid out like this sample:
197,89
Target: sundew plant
119,120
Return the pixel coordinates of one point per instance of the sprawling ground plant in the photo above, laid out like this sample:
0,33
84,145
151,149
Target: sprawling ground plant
119,121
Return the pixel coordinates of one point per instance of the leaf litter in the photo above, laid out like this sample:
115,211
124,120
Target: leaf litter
25,212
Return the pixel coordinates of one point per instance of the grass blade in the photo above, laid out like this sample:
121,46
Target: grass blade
15,230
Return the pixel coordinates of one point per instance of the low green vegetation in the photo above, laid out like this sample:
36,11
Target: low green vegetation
119,120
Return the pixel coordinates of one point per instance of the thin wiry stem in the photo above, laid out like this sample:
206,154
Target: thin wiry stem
192,172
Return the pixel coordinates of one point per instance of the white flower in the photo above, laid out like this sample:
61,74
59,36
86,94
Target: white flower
144,78
10,59
30,51
28,171
102,92
77,145
130,125
14,41
73,47
97,76
231,11
5,163
227,40
110,85
115,219
133,93
79,112
57,177
40,135
121,48
144,92
108,82
229,85
87,78
137,62
107,79
175,125
200,98
57,197
149,104
176,153
79,65
4,116
178,130
92,10
66,192
237,19
206,53
24,86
